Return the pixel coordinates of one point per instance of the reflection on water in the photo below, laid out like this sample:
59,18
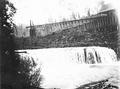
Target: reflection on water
68,68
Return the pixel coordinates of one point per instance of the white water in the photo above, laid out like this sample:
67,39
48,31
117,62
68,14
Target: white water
66,68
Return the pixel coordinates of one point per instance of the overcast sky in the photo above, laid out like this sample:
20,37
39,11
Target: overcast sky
45,11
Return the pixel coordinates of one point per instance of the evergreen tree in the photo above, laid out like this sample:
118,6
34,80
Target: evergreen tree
9,62
15,72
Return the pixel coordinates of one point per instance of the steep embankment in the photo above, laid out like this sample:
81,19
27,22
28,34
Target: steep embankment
76,37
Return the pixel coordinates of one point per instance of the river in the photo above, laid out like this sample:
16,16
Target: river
68,68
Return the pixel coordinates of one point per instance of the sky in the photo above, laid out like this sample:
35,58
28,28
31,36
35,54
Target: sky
48,11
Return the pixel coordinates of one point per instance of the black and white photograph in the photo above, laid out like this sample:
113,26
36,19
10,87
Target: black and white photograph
59,44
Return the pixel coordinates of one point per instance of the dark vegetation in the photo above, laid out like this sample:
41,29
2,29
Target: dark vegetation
15,73
29,80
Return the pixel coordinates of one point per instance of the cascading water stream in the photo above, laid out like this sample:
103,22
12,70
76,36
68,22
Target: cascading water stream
68,68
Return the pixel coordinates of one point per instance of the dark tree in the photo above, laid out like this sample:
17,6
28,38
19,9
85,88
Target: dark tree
9,63
15,72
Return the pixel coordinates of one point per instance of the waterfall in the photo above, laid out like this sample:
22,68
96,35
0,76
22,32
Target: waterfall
67,68
83,55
